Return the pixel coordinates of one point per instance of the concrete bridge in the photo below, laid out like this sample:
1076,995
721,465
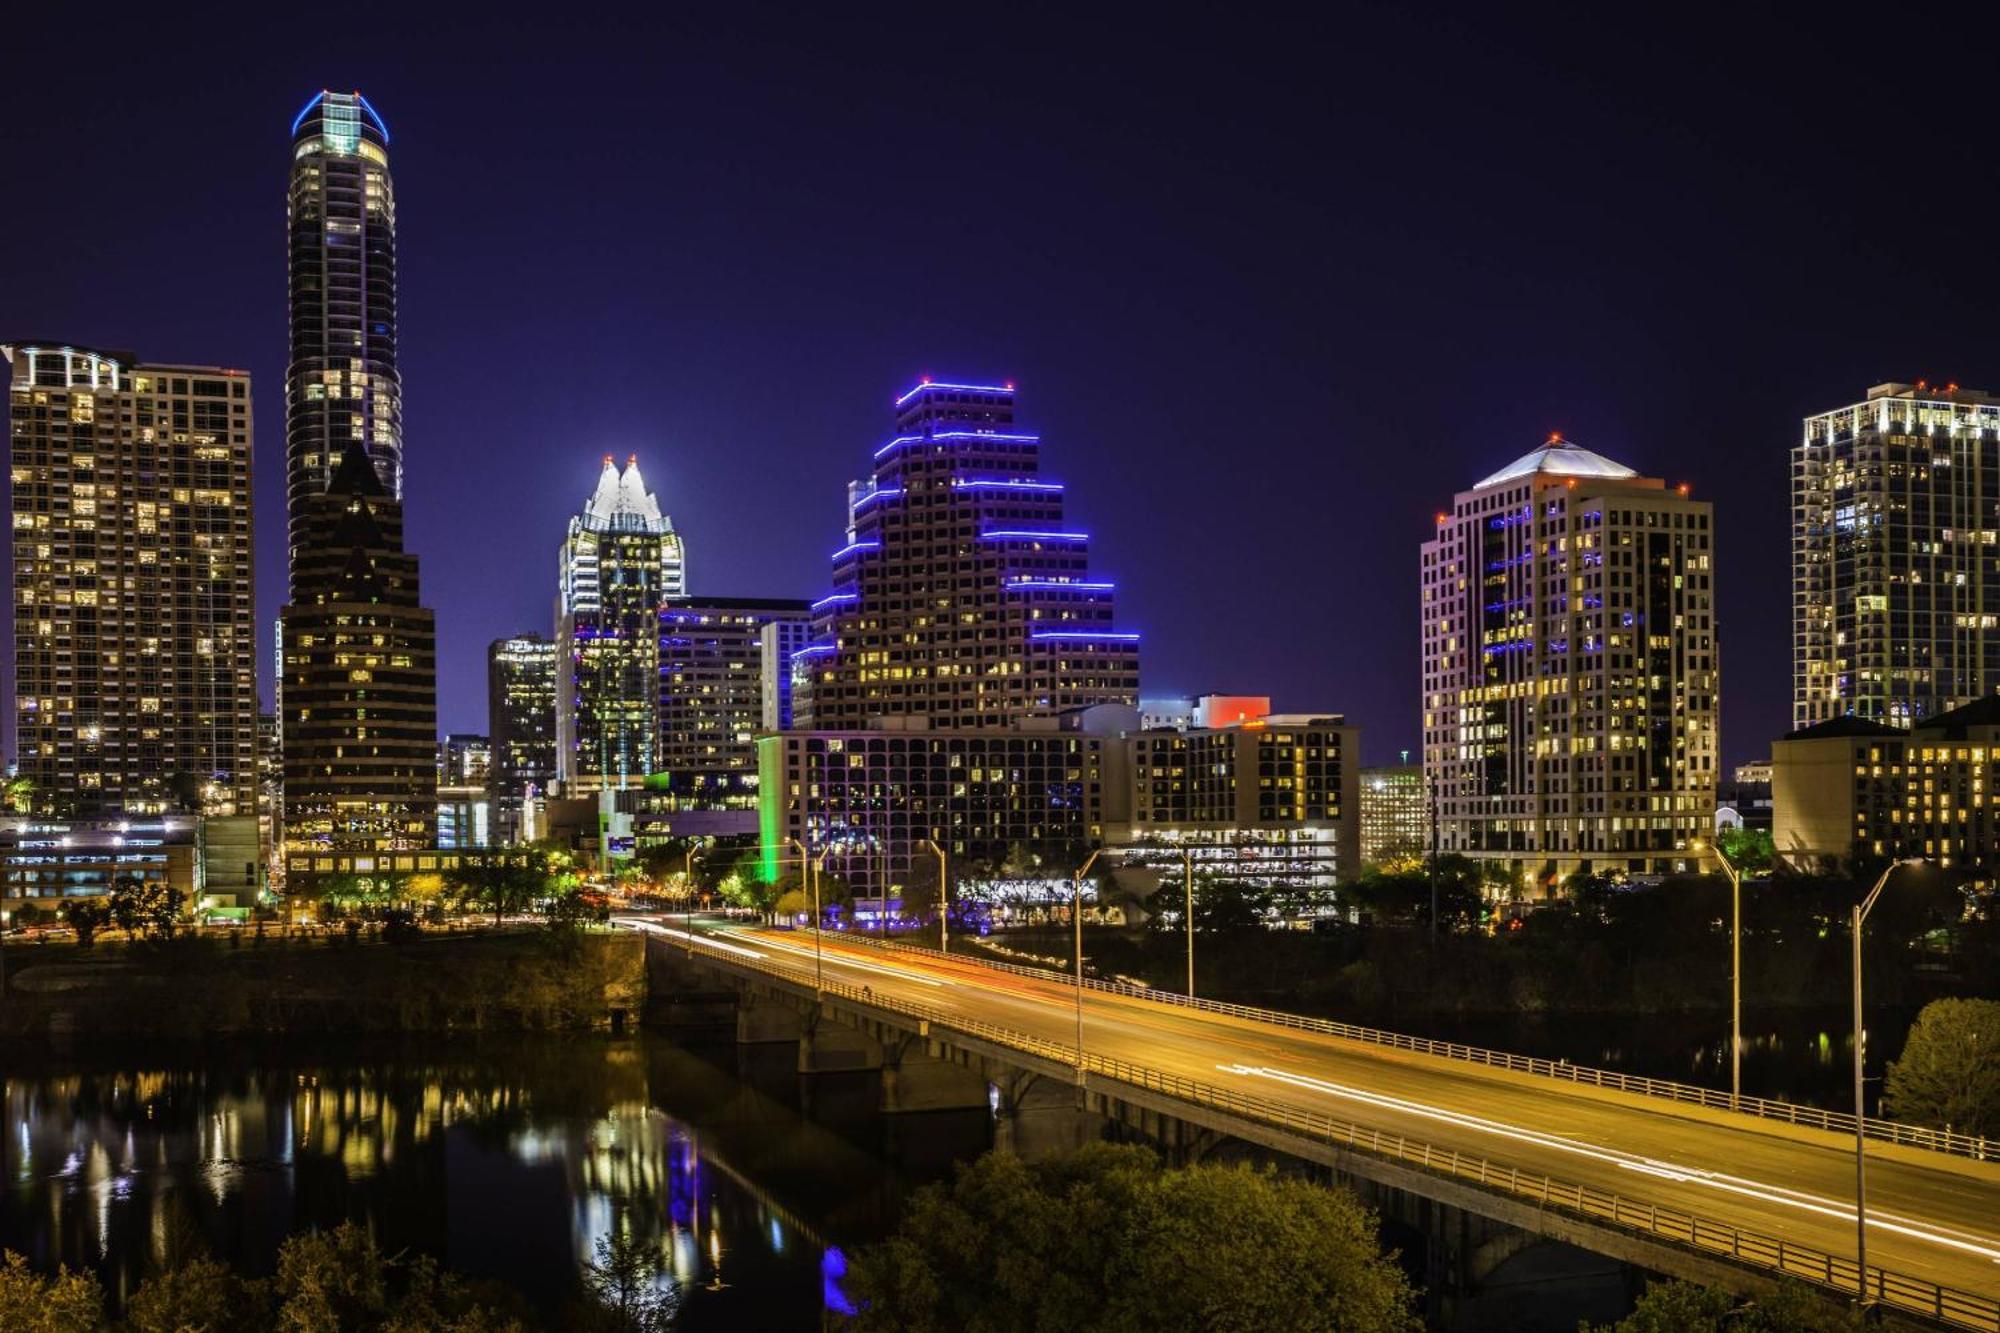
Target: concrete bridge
1511,1182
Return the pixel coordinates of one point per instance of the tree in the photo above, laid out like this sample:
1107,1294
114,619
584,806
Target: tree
503,884
1683,1307
1750,850
198,1293
625,1284
68,1302
86,916
1104,1239
17,795
1949,1072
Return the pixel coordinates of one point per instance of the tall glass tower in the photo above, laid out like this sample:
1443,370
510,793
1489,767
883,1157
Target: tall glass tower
341,385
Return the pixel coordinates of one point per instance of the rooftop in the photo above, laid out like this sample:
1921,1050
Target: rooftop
1955,723
1558,458
1841,726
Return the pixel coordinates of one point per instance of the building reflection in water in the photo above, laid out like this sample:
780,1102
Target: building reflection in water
511,1168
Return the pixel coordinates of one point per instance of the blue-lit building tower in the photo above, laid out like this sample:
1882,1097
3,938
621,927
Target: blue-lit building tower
962,597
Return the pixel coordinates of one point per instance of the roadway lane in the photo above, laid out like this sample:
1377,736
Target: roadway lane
1931,1216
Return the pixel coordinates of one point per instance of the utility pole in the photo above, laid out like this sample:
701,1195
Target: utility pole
1430,798
1187,867
1076,920
944,894
1861,911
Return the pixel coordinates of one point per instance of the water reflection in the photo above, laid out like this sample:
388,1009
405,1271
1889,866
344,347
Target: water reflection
508,1162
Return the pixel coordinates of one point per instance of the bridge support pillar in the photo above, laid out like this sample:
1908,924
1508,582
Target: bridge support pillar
827,1046
915,1080
1038,1115
761,1019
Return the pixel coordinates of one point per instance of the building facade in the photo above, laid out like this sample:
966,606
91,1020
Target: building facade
342,384
620,562
1570,669
1274,796
521,721
961,596
464,760
778,641
1395,813
135,685
359,688
712,697
870,799
1849,791
1896,556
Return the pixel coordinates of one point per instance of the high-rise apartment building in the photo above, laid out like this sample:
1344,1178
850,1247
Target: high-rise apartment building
1395,812
464,760
341,385
1569,668
621,561
521,722
712,697
360,675
1896,556
135,685
358,668
961,595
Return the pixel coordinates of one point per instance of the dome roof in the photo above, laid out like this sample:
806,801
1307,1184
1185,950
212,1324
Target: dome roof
1558,458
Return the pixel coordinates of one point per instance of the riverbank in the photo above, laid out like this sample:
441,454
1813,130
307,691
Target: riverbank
527,980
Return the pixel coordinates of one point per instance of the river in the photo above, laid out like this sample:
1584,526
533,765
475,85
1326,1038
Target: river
506,1158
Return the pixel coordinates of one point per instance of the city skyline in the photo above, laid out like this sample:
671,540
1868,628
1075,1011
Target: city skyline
1507,335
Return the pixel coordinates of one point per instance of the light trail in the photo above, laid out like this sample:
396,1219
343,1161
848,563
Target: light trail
656,928
843,960
1914,1228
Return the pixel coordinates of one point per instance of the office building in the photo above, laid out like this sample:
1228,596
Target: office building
212,860
358,670
1895,566
464,760
778,641
521,720
1395,813
1271,796
464,817
962,597
1569,669
1851,791
711,688
871,798
341,386
360,676
1743,800
135,686
621,560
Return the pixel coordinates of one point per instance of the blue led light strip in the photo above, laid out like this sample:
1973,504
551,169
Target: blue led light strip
852,547
1018,534
815,650
1119,636
887,493
1009,437
1058,585
968,388
833,598
960,485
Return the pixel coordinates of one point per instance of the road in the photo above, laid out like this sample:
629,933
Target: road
1931,1216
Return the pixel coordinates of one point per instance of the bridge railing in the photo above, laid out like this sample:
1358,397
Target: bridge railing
1768,1108
1690,1231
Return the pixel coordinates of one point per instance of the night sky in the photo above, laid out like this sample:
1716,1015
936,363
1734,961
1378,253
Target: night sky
1272,287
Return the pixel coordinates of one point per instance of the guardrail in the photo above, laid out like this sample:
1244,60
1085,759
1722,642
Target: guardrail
1812,1117
1690,1231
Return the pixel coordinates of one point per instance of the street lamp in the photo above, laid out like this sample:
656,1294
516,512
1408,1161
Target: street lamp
1861,910
1187,869
687,876
1076,920
817,868
944,893
1735,973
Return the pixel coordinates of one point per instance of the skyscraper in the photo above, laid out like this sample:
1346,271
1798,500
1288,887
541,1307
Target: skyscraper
1895,566
342,384
360,675
961,597
712,697
358,678
521,721
134,643
621,560
1569,668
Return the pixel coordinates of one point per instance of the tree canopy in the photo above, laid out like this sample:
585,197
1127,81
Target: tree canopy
1949,1073
1105,1239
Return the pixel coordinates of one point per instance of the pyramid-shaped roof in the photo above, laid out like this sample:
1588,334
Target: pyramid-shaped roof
355,474
622,503
1558,458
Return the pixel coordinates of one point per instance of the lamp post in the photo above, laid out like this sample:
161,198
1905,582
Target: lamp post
1076,920
1187,871
1861,911
1735,975
944,894
819,917
693,855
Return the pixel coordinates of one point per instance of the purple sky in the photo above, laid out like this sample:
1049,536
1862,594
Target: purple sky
1272,287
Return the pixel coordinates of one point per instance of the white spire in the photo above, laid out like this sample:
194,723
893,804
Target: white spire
622,503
